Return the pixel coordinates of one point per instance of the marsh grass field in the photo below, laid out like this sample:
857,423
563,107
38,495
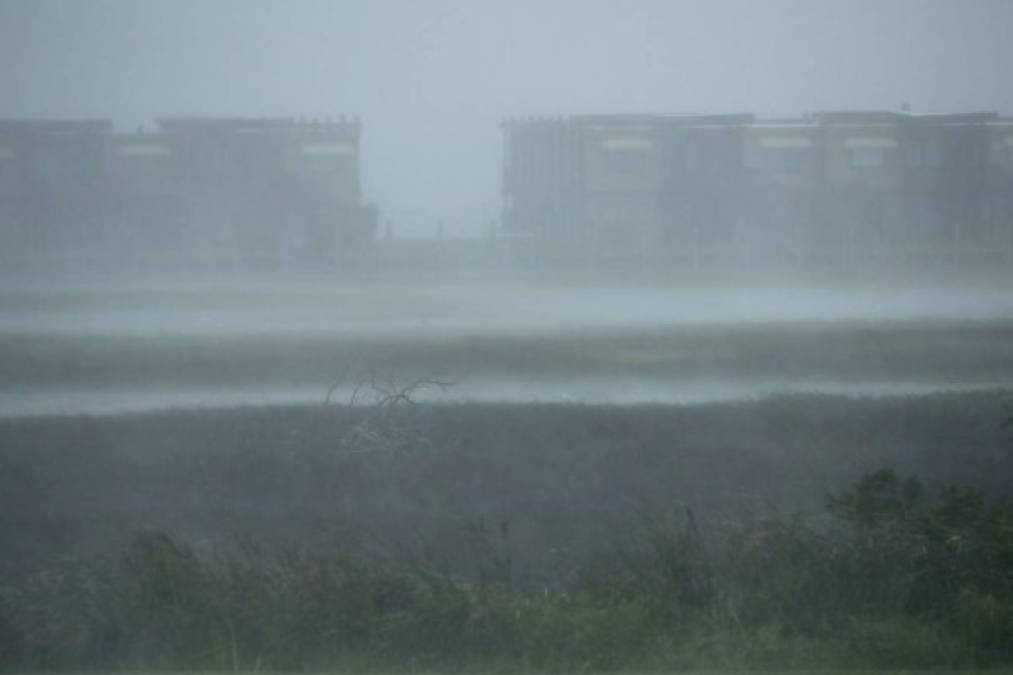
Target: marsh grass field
511,537
409,481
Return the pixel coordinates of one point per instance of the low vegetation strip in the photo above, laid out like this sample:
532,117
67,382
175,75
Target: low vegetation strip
498,538
915,350
881,579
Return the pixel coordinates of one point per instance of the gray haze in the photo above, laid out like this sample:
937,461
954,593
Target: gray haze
432,79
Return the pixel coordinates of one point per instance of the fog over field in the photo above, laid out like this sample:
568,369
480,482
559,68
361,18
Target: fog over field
449,309
433,80
104,349
265,203
506,336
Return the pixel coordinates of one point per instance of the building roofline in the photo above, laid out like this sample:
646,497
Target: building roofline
784,122
858,116
889,116
45,126
211,123
684,119
224,123
619,120
958,117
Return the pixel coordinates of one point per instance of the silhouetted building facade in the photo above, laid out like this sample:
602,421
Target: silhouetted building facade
249,192
833,188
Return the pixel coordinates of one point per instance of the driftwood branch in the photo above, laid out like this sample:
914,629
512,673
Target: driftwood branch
384,397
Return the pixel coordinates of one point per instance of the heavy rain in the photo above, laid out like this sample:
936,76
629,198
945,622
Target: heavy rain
505,336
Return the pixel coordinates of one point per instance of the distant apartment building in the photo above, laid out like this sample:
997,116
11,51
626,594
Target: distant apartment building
50,173
850,187
194,190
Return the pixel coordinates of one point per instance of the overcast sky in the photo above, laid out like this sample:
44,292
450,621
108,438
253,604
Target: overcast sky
432,79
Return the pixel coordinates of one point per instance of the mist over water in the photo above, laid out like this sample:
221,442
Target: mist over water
600,392
468,309
233,203
496,336
102,350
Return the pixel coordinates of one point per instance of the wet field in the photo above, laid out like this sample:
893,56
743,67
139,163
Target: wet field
114,349
214,416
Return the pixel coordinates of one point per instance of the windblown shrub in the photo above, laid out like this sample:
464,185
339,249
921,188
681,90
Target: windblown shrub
884,578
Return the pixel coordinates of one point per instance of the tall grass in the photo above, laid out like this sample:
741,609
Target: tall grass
884,577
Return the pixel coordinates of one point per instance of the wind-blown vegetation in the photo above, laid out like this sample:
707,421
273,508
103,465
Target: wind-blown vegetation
884,578
510,538
941,351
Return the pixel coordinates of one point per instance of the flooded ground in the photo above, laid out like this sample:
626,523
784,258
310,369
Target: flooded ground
100,350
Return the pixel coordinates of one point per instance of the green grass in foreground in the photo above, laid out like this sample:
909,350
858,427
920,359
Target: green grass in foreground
885,578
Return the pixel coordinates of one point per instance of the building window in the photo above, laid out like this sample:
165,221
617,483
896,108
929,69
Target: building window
51,165
788,160
868,153
925,154
863,158
630,156
626,163
779,154
328,149
144,151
